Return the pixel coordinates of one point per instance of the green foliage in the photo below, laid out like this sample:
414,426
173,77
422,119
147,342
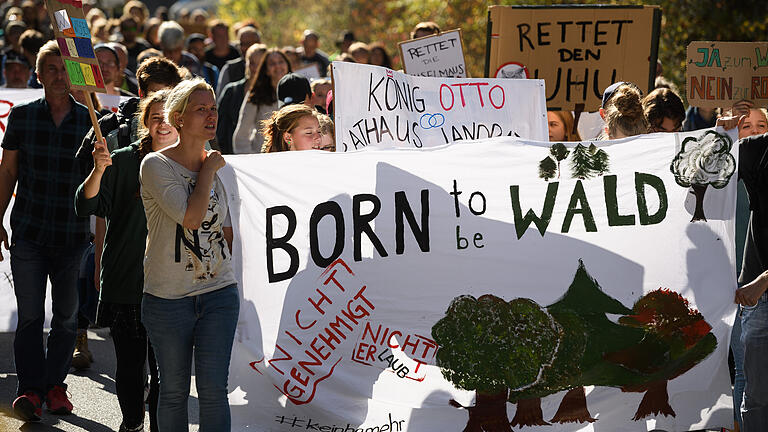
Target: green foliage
581,162
547,168
489,345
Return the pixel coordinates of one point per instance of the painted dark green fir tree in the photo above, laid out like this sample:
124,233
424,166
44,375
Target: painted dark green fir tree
560,152
581,162
547,168
600,164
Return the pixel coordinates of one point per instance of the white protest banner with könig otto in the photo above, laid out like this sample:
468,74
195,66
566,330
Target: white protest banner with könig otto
379,107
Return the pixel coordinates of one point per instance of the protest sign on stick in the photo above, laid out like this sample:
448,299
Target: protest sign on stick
577,50
718,74
440,55
379,107
71,32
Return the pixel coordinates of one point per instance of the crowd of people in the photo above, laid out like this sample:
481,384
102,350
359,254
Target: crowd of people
160,235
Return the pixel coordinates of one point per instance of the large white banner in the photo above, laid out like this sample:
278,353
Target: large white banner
481,284
8,99
378,107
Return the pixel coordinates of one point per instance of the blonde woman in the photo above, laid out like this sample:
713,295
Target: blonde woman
294,127
191,302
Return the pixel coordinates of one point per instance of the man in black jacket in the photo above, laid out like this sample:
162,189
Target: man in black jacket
753,171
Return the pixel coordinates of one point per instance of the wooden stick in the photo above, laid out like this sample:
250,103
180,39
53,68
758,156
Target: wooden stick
579,108
92,112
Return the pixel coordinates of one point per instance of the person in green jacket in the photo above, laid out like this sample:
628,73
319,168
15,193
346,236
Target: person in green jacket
111,191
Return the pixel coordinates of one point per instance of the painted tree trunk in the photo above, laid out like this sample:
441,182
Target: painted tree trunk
489,413
573,408
529,413
655,401
698,192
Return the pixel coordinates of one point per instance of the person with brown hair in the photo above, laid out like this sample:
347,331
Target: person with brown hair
260,102
425,28
294,127
221,51
310,54
379,56
561,126
31,41
327,132
138,10
664,110
151,32
110,191
622,111
360,52
129,29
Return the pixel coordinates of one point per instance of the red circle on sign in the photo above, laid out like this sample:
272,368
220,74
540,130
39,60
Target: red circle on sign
512,70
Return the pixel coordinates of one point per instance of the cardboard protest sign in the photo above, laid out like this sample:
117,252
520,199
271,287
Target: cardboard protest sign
439,55
378,107
577,50
71,32
476,275
720,73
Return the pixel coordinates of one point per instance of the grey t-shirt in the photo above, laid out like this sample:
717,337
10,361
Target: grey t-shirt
179,262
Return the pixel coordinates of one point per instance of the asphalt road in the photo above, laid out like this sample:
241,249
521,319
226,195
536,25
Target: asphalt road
92,393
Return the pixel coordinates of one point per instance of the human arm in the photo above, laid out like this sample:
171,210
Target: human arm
98,248
9,173
742,107
730,122
163,189
197,204
749,294
94,195
101,160
229,236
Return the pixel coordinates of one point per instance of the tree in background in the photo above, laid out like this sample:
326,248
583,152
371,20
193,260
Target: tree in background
683,21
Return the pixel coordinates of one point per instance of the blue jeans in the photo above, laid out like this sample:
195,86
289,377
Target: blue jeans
737,348
754,336
31,264
203,326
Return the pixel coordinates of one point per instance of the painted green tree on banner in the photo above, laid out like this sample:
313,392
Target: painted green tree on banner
576,345
560,152
581,163
600,159
547,168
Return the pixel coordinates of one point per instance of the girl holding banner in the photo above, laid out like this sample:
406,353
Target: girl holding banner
112,194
